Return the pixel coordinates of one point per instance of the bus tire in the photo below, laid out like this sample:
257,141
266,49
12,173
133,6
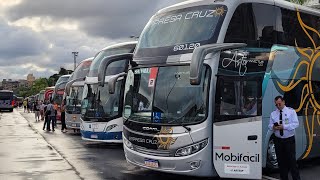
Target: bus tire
272,162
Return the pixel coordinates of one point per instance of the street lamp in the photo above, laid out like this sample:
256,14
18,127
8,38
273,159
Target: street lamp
75,54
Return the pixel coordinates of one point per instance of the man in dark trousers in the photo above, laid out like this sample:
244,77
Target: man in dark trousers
283,122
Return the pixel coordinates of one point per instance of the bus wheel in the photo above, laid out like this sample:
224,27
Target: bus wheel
272,162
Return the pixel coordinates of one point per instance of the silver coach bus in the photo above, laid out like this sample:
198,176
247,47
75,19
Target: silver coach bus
73,93
204,75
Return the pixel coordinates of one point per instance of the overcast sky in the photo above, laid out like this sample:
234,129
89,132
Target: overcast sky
38,36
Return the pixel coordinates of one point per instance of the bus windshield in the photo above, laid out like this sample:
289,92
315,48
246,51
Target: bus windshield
6,97
73,103
163,95
93,72
98,104
62,79
82,70
197,25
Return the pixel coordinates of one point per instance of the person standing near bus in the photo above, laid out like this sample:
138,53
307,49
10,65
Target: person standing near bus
51,115
36,109
55,107
63,117
283,122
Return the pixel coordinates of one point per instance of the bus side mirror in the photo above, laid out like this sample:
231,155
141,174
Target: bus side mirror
112,82
107,61
200,53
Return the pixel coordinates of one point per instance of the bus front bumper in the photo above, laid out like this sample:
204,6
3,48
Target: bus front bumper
192,165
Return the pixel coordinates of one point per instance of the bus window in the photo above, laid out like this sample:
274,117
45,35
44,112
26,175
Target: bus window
238,98
256,27
241,27
291,30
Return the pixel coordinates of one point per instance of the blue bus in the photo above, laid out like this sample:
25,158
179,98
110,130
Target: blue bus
101,112
6,100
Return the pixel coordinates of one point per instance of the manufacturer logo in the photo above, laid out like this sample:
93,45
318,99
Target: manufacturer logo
150,129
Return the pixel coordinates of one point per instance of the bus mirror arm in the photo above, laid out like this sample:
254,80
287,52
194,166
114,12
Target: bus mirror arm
107,61
112,82
69,84
200,53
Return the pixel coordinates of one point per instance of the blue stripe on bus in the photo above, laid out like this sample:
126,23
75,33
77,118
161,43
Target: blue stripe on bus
102,135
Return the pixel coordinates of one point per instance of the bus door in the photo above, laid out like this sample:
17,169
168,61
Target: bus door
237,127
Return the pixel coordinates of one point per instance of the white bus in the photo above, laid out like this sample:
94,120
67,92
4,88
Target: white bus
203,80
73,94
101,112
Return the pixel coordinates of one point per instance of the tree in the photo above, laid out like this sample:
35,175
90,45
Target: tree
299,1
54,78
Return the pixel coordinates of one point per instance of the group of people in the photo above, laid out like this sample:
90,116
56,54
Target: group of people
47,112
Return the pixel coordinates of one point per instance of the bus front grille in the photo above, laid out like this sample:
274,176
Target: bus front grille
152,152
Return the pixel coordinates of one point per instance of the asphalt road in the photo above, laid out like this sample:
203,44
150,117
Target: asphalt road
28,152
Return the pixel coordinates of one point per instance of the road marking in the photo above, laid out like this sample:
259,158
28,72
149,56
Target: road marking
269,178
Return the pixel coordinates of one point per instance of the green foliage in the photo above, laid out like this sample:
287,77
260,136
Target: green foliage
42,83
54,78
299,1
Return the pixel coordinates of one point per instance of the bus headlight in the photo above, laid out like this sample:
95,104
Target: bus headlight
111,127
191,149
127,143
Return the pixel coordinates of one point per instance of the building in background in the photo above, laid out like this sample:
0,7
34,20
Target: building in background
30,79
10,85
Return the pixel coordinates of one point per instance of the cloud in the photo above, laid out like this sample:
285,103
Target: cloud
111,19
38,36
19,42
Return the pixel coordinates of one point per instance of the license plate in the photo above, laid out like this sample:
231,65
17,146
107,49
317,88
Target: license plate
74,125
94,136
151,163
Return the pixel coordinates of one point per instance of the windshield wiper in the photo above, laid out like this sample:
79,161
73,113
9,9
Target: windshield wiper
186,127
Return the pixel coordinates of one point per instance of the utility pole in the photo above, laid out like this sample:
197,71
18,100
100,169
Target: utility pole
75,54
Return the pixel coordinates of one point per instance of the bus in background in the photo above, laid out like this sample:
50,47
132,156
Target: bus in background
73,94
48,93
100,111
6,100
58,93
204,76
41,95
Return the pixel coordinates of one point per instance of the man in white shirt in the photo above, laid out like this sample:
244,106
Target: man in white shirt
283,122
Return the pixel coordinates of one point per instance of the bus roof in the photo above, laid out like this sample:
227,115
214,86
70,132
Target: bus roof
279,3
119,45
49,88
6,91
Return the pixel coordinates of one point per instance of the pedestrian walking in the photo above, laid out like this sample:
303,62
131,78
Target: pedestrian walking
36,108
63,117
283,122
42,105
46,119
25,103
51,115
28,105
